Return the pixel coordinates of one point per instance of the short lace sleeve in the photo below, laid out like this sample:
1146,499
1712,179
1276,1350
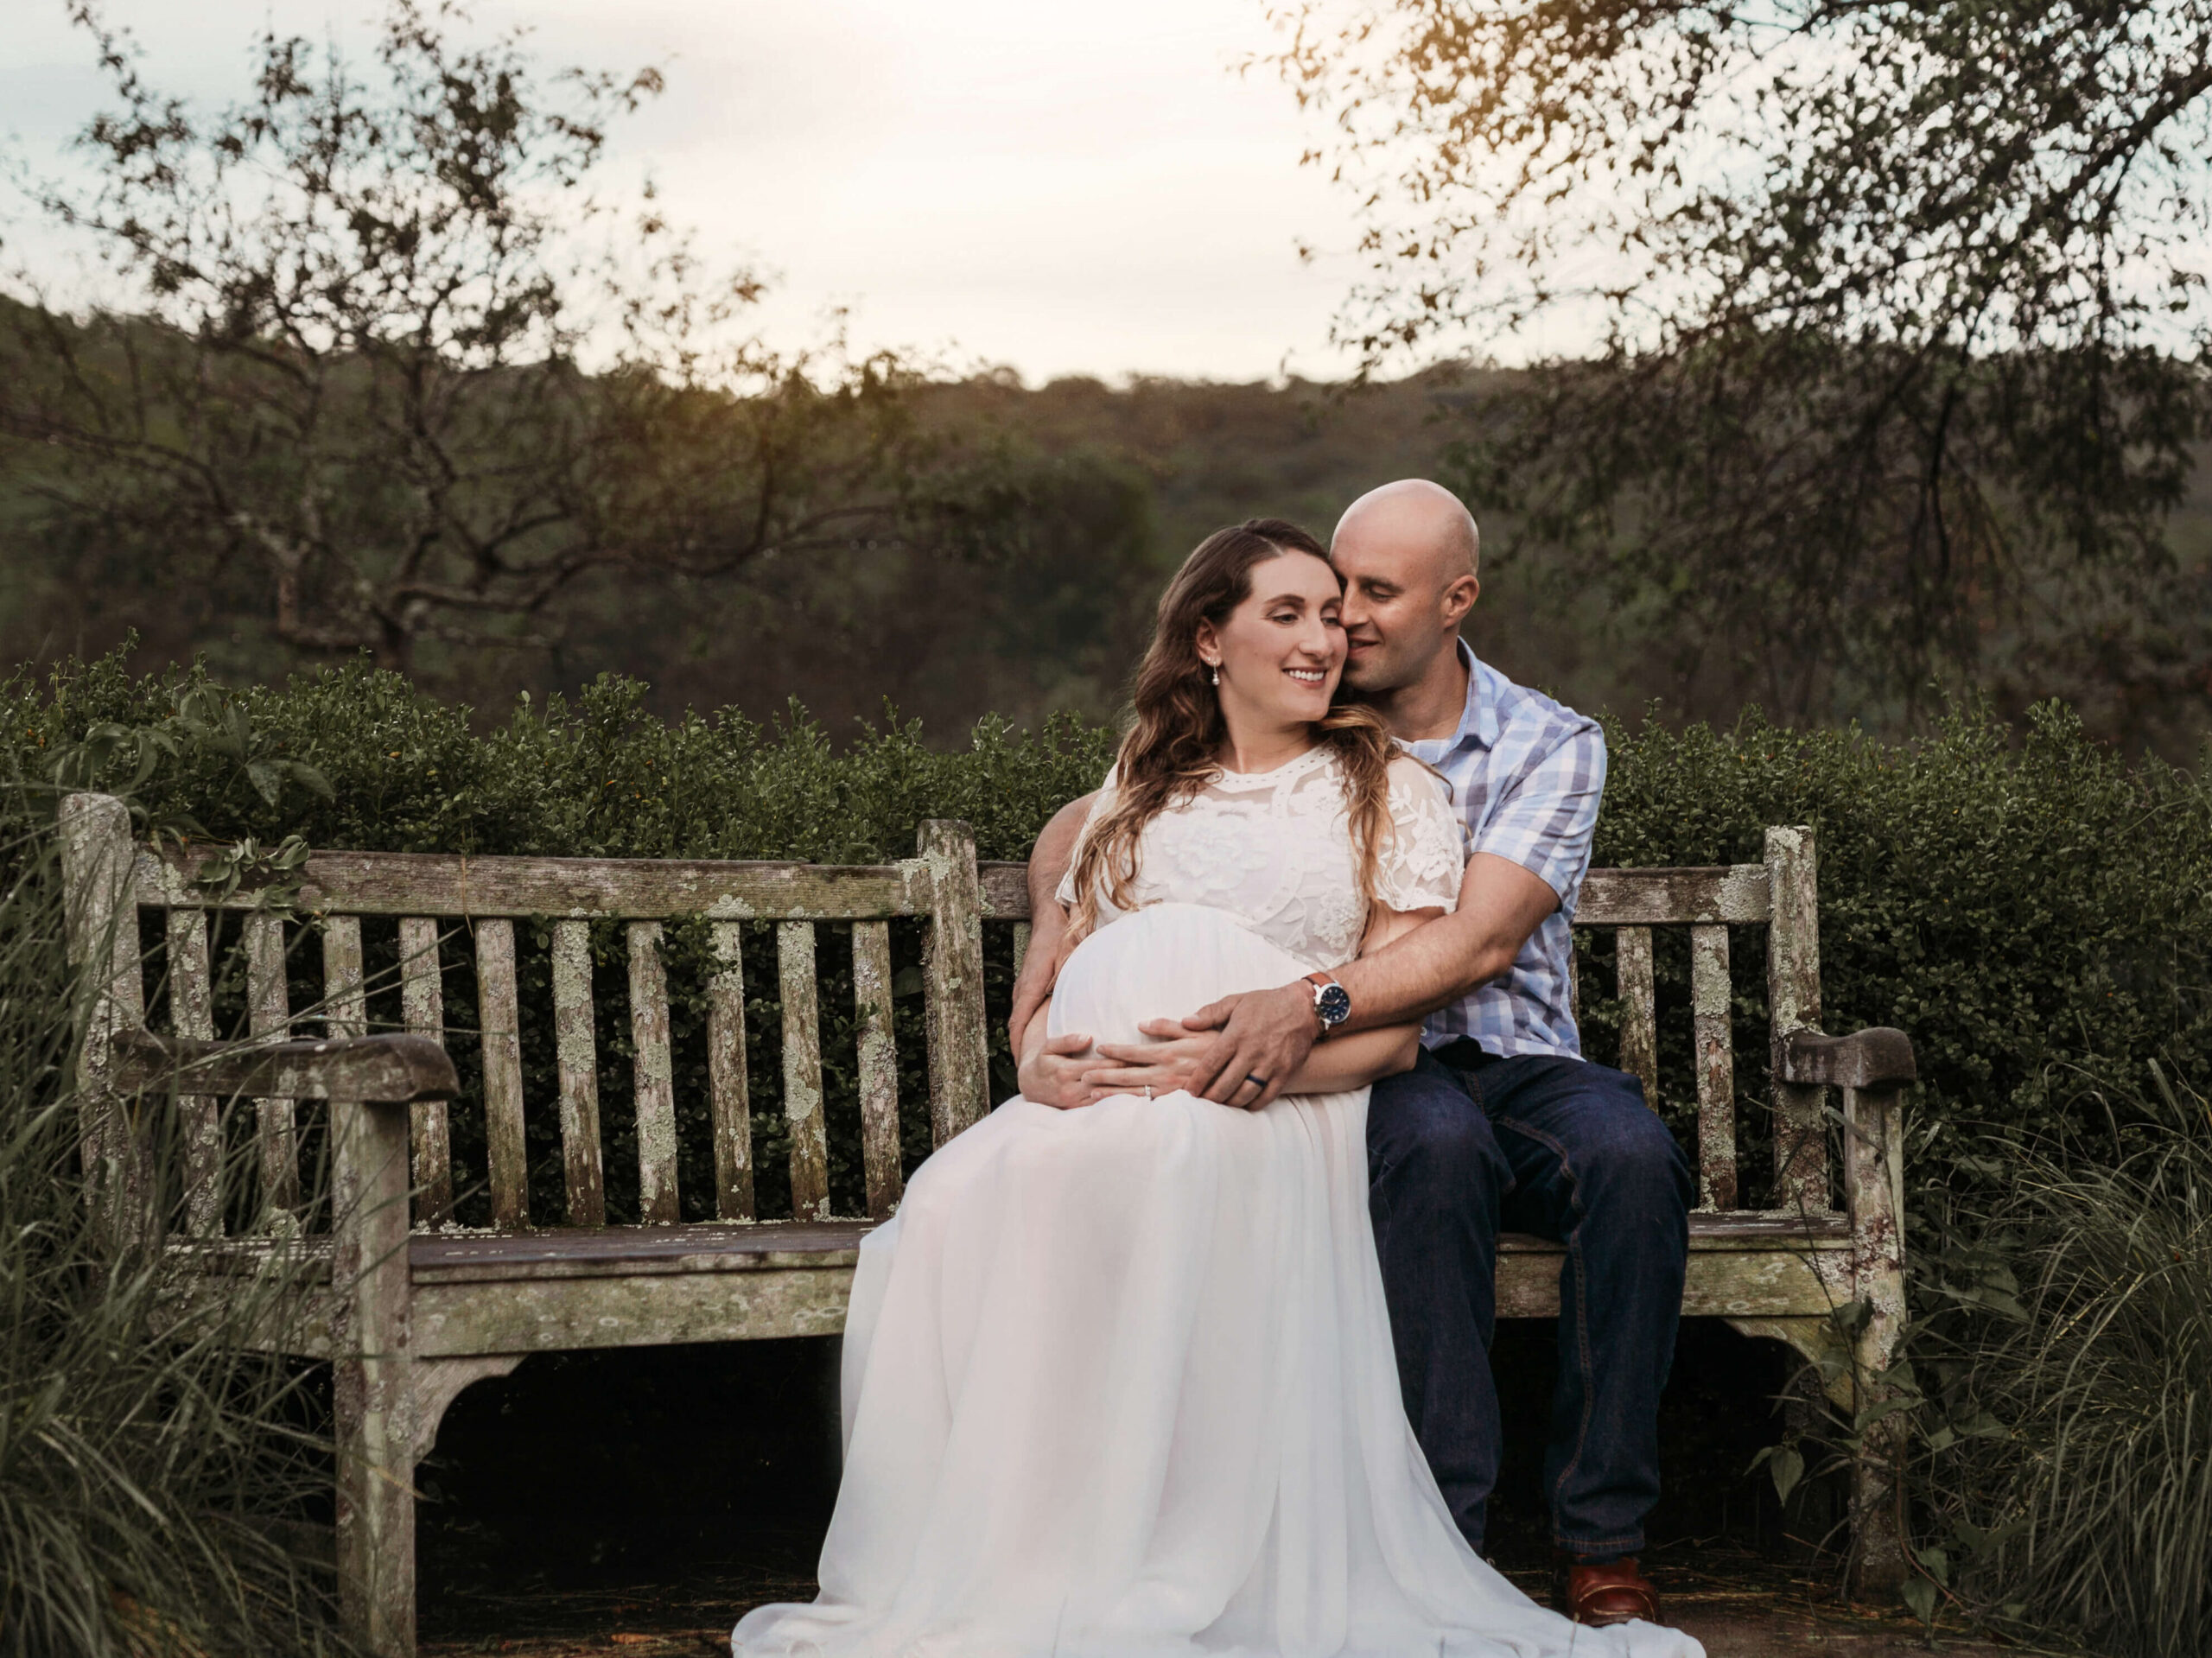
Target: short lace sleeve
1421,868
1066,891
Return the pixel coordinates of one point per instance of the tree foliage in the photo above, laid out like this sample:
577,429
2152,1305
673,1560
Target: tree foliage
1899,316
343,382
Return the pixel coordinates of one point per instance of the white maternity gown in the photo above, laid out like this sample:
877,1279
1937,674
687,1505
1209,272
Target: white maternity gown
1118,1381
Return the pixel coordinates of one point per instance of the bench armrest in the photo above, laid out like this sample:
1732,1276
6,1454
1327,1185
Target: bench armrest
382,1069
1877,1057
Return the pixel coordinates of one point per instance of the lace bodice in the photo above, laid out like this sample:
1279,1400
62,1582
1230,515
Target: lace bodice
1274,848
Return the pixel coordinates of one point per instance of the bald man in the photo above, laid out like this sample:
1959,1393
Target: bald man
1502,1124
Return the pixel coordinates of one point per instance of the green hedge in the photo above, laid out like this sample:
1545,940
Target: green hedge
2031,907
356,759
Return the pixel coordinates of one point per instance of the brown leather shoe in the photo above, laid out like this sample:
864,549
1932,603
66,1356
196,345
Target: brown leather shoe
1612,1593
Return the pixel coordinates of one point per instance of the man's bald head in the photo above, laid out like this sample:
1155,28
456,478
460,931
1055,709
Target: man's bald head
1413,518
1407,554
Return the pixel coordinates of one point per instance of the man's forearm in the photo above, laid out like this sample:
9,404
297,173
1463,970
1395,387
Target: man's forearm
1500,906
1408,980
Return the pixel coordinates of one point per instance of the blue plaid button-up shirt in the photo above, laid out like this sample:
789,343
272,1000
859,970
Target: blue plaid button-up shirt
1526,775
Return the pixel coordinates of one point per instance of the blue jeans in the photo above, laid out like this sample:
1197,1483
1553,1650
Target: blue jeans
1466,1145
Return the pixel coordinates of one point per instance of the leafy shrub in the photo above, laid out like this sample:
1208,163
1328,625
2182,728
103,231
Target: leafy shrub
2066,1445
154,1469
2034,909
361,759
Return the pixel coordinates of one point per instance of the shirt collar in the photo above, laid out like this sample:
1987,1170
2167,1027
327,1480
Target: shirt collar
1478,719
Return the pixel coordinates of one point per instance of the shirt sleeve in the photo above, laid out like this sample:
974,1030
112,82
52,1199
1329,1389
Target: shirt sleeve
1065,892
1422,867
1545,824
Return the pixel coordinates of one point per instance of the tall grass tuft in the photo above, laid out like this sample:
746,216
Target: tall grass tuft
154,1470
2070,1465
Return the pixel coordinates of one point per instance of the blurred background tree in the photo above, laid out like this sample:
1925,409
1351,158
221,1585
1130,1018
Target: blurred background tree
380,372
1900,313
1899,387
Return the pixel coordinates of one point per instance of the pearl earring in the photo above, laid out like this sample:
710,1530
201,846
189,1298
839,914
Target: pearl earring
1216,678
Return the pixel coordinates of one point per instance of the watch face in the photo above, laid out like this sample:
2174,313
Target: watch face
1333,1002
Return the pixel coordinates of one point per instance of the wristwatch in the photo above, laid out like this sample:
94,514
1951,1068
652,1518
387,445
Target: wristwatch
1331,1003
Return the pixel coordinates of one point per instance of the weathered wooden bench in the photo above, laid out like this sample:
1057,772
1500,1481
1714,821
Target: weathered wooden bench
411,1317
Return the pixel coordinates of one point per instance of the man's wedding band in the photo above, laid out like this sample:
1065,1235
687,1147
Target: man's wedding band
1258,1082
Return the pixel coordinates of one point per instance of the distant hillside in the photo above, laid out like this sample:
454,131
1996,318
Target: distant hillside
1138,474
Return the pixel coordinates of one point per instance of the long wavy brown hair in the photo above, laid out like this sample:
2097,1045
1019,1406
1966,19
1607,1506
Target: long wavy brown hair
1176,729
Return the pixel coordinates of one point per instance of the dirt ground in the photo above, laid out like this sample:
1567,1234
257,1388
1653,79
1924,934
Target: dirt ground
1738,1605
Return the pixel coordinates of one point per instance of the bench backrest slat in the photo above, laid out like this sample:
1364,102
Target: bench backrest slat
1714,1056
809,1141
575,1046
192,1015
498,1021
731,1101
952,975
269,1013
422,1011
345,997
1793,994
878,1055
1639,997
653,1071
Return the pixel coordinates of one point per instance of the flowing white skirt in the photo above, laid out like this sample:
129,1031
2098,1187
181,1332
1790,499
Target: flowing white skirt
1118,1383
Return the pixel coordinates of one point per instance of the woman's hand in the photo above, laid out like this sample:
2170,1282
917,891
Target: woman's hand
1054,1072
1170,1060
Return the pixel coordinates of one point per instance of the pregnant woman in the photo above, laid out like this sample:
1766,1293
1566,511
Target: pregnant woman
1118,1379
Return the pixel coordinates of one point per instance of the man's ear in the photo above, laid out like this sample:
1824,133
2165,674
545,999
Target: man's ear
1459,596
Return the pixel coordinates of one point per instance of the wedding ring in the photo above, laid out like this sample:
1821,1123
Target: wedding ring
1147,1091
1256,1081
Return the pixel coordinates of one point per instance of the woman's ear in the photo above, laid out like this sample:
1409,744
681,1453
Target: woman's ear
1207,643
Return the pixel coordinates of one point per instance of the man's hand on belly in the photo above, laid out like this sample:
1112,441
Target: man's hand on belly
1260,1040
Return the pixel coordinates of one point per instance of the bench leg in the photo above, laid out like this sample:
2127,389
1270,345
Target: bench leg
1874,1170
376,1509
1877,1537
373,1376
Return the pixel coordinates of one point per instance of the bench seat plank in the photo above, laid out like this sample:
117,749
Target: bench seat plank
650,1286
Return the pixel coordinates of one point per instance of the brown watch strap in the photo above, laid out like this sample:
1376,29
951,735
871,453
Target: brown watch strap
1321,979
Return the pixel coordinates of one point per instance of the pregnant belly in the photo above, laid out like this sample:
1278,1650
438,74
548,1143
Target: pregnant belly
1162,962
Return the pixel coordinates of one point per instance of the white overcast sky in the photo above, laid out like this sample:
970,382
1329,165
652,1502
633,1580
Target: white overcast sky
1063,188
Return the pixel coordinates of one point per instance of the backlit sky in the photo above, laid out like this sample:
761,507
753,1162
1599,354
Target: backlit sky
1061,187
